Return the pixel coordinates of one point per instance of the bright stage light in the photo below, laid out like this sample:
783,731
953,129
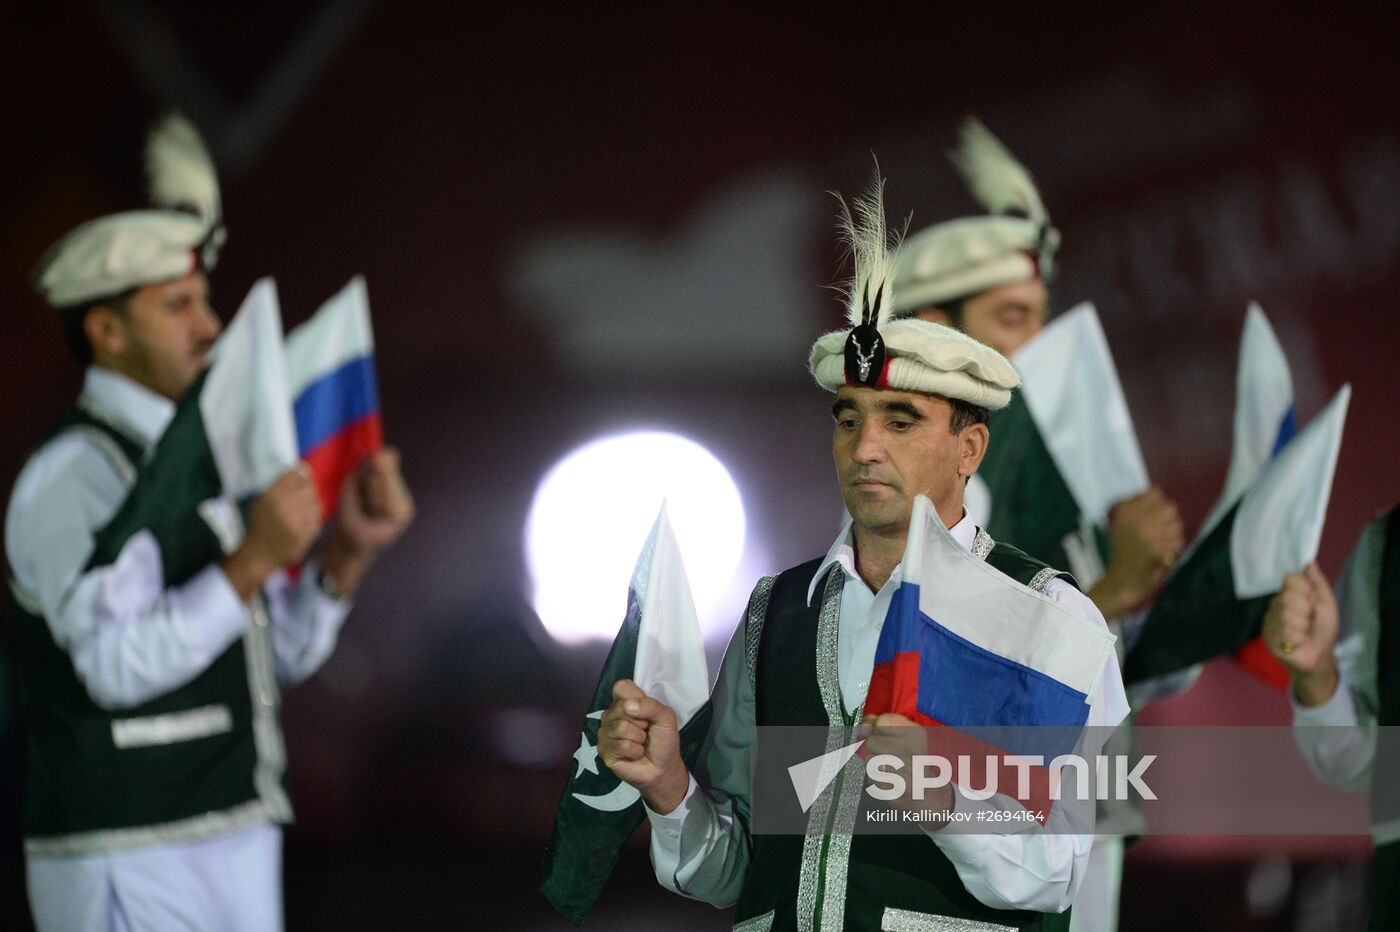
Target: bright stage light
591,516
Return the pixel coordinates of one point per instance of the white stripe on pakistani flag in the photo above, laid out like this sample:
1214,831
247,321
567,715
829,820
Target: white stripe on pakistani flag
244,404
1263,397
1072,390
670,664
1279,523
994,612
338,332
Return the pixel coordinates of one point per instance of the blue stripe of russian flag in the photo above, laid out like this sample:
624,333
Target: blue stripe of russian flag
967,686
1287,428
334,402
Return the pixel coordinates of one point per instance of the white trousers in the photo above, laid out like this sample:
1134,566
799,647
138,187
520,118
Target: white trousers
229,883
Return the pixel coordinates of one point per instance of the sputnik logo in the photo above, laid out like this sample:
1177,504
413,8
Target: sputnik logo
811,777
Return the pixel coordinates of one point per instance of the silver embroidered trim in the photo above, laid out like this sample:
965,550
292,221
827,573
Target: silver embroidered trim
266,698
207,825
838,852
753,626
828,682
1042,579
98,411
172,727
758,923
910,921
114,454
906,920
828,672
982,544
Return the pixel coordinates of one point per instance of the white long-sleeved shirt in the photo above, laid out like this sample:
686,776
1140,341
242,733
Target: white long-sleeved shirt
1338,737
130,636
699,850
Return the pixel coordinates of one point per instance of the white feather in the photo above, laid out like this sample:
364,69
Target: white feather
873,252
179,169
997,180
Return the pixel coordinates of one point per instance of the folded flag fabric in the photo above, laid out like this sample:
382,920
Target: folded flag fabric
967,647
1265,412
230,438
1215,600
1265,420
1065,450
334,392
660,648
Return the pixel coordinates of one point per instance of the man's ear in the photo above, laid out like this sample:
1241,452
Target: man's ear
107,331
972,447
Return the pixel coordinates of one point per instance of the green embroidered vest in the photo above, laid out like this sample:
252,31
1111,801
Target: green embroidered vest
205,758
835,879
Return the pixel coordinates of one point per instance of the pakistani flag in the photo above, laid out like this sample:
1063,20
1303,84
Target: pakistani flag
1265,421
231,437
1063,452
1265,418
660,648
1215,600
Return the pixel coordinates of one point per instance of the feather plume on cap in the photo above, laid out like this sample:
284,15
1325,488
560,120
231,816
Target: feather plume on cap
180,170
868,299
862,230
996,179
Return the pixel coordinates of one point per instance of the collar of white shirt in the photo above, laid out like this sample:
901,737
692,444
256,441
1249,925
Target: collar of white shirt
843,551
127,405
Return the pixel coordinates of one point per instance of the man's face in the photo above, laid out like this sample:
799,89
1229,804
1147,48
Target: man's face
890,446
162,340
1004,317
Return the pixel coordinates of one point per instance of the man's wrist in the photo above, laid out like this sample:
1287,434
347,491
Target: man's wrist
246,572
342,564
1107,596
664,796
1318,685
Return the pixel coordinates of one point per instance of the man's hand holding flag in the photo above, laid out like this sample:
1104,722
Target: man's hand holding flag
650,712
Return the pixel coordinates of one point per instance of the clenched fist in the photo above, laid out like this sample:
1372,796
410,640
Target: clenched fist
1300,629
640,742
1147,537
282,525
375,509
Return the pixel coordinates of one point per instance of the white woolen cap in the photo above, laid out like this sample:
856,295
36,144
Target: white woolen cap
963,257
119,252
924,357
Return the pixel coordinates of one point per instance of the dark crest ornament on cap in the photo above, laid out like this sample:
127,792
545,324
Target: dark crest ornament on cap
865,348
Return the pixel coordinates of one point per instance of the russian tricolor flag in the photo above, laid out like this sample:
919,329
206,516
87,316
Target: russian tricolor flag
967,647
335,397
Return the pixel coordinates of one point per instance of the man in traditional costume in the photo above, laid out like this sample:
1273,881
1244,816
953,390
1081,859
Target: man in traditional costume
910,419
1343,657
154,754
986,275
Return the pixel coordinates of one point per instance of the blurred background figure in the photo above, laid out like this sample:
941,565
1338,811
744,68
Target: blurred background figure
148,659
592,242
1343,657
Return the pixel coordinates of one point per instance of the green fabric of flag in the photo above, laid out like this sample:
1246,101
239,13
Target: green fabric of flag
598,813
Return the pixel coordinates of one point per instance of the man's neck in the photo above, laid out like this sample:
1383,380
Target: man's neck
879,550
